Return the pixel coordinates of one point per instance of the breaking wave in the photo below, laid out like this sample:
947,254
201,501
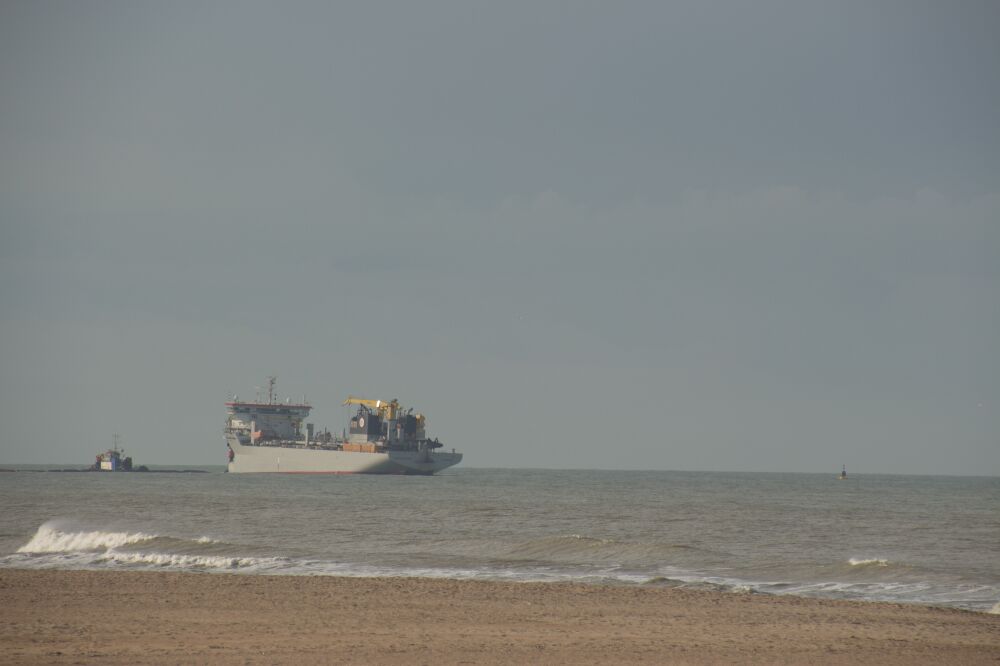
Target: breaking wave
868,562
50,539
54,545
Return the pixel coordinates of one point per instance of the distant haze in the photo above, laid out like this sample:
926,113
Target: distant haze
637,235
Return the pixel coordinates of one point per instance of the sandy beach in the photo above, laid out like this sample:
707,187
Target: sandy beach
74,617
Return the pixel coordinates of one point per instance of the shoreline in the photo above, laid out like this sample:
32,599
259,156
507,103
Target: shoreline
81,616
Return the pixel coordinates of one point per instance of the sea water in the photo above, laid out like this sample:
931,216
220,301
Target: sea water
925,540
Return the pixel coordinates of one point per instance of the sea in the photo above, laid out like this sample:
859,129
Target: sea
932,540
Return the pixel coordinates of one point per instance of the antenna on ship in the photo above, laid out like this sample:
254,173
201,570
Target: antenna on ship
270,389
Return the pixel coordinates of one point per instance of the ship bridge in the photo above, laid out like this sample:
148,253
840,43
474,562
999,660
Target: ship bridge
271,419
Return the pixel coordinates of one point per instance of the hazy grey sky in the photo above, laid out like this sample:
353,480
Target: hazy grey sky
644,235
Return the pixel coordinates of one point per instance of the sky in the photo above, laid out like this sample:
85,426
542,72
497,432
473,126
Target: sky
637,235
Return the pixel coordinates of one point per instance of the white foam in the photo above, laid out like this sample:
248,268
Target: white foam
995,610
180,561
871,561
49,539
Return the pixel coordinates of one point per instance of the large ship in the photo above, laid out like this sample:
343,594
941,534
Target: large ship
383,438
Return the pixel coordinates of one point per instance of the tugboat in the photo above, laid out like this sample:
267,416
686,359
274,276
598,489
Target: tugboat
113,460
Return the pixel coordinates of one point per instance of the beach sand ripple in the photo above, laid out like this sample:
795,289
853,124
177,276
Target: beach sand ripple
56,617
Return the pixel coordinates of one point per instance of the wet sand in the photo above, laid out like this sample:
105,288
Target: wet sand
88,617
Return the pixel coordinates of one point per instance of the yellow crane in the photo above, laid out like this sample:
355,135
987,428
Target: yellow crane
385,410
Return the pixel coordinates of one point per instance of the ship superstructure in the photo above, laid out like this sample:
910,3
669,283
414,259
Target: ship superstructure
267,421
382,438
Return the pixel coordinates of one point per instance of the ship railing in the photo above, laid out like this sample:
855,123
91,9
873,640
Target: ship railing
334,445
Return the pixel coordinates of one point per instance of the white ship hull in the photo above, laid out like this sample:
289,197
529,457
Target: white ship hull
298,459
